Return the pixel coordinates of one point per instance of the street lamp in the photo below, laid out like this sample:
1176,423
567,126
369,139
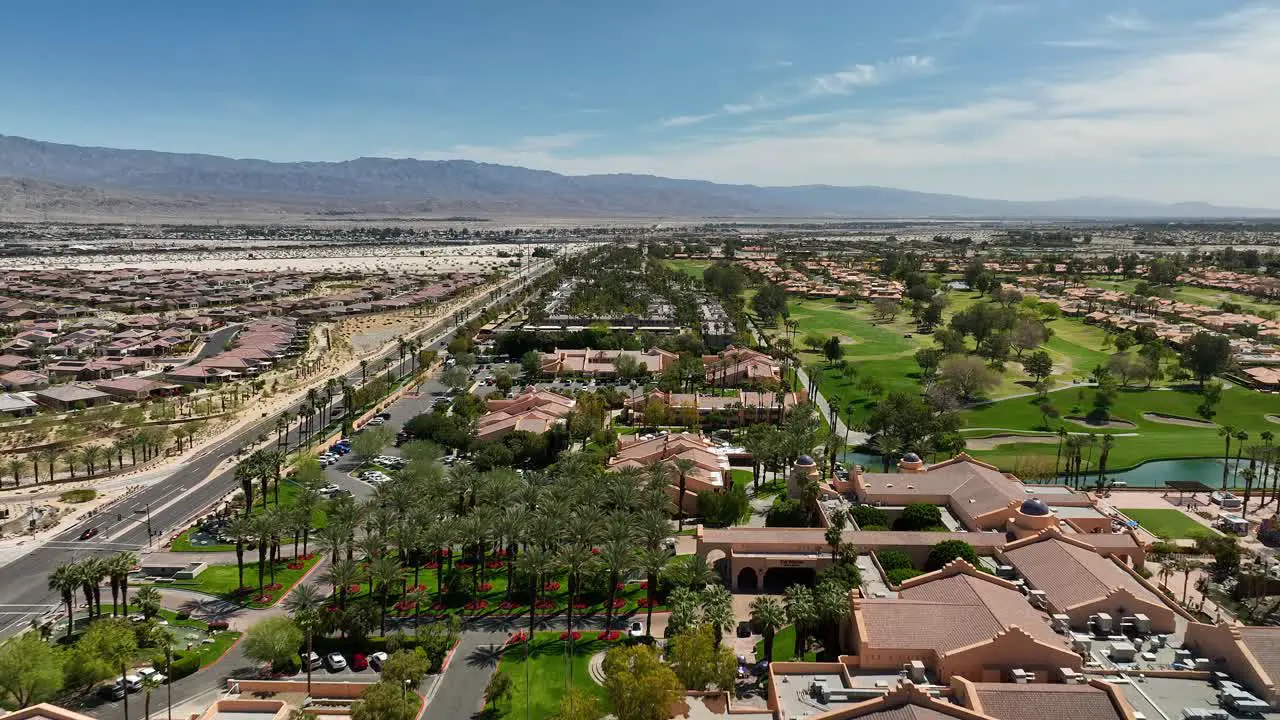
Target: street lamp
404,696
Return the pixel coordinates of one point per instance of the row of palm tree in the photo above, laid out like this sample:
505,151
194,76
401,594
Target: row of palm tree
1077,450
86,576
89,458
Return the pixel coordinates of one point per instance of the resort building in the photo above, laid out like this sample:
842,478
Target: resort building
743,407
603,362
533,410
1249,653
709,471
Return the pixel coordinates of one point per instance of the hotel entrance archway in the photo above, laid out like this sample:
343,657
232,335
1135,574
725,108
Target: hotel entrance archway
748,581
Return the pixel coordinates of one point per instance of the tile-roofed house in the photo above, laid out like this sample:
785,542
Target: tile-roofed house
71,397
959,621
200,375
135,388
740,366
18,362
1250,653
23,380
905,701
602,362
710,470
1044,701
45,711
533,410
17,405
1079,582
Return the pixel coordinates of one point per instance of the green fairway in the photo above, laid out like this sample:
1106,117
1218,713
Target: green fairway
1147,440
784,647
1168,524
538,683
692,268
1208,297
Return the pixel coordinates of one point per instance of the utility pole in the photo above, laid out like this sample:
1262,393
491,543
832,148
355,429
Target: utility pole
149,535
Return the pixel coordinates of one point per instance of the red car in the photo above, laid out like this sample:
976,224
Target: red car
88,533
359,662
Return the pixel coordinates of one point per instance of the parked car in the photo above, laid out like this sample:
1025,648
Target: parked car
150,673
359,662
312,661
637,629
376,660
113,691
335,661
744,629
1225,499
88,533
384,415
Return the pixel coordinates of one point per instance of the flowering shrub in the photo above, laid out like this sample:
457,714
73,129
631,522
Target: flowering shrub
495,564
294,566
353,588
274,586
463,566
477,605
545,604
431,565
644,603
609,635
486,586
517,638
509,605
619,603
579,605
576,635
405,605
644,584
551,586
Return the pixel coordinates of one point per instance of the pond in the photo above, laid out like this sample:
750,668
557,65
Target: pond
1152,474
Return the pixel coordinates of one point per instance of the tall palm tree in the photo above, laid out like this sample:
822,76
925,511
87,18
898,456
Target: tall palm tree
1226,432
241,531
341,575
1242,437
652,560
148,601
92,572
91,455
683,467
1108,441
802,612
618,556
264,531
65,580
303,605
1267,438
536,562
1062,435
768,616
574,559
384,576
15,467
118,569
717,611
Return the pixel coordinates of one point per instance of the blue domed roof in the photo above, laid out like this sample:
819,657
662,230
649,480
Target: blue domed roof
911,458
805,460
1034,506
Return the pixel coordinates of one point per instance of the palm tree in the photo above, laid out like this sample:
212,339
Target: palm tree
384,574
64,580
16,466
574,559
768,615
1108,441
364,367
618,556
118,569
149,684
240,530
1242,436
341,575
652,561
717,611
1226,432
303,605
91,455
802,612
148,601
264,530
93,570
683,467
536,563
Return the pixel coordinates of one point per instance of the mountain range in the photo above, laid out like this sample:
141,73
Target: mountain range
37,176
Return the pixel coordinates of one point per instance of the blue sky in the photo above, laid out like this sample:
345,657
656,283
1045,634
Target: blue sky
1170,100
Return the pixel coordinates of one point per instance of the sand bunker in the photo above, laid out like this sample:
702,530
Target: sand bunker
1274,418
1175,420
1108,424
995,441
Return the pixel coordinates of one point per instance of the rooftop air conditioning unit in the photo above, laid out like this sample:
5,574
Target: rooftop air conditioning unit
1061,622
1142,624
1038,598
1020,676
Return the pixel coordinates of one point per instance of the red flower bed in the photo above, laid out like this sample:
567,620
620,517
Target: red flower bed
446,552
463,566
405,605
609,636
517,638
353,588
619,603
644,584
477,605
620,586
595,551
495,564
509,605
418,588
576,635
579,605
486,586
552,586
545,604
274,586
644,603
500,553
264,599
307,557
437,605
431,565
294,566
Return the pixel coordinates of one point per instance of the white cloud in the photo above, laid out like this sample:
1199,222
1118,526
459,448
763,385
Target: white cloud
1192,120
841,82
1128,21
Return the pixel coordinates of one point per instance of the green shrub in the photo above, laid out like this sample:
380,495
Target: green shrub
918,516
894,560
897,575
948,550
720,510
787,513
78,496
875,528
845,572
867,516
184,664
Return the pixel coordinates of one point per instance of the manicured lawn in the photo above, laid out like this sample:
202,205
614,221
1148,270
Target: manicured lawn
1168,524
547,672
741,477
186,631
223,581
1148,440
784,647
692,268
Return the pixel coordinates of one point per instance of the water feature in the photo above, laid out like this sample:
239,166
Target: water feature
1152,474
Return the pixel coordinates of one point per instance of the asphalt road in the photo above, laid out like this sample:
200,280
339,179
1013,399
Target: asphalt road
24,592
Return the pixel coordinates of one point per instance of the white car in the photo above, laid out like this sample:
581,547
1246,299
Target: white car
637,629
150,673
335,661
376,660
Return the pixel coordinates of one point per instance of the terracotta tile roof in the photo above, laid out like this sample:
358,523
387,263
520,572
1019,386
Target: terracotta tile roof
907,712
949,613
1071,575
1264,644
1009,701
